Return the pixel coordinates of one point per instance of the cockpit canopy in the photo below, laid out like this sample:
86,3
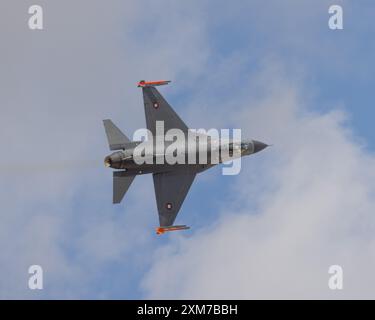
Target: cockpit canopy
244,147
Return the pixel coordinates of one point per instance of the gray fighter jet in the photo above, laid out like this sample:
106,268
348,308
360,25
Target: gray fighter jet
171,181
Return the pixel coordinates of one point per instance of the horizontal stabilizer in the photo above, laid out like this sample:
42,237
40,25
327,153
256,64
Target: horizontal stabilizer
116,139
161,230
121,184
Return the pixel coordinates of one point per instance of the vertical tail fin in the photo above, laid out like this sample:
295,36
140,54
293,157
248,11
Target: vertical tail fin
116,139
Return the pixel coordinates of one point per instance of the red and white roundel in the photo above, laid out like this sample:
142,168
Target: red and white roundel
168,205
156,105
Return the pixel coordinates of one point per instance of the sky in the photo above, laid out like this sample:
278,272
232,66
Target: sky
272,68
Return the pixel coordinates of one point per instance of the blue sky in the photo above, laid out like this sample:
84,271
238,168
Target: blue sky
230,66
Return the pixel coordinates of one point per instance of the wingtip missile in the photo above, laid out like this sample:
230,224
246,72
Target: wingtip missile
162,230
143,83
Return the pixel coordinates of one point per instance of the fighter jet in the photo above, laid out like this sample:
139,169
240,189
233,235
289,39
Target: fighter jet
171,181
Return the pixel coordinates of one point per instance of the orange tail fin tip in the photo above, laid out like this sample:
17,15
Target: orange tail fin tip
144,83
161,230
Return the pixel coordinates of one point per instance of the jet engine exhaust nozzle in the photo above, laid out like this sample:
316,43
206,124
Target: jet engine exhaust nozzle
107,162
114,160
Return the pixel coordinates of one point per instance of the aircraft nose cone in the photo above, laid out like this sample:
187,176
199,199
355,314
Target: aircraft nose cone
259,146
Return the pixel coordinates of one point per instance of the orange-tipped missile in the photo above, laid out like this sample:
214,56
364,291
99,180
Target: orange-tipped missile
144,83
161,230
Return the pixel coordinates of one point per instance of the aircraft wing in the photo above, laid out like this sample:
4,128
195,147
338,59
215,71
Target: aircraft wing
158,109
171,189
